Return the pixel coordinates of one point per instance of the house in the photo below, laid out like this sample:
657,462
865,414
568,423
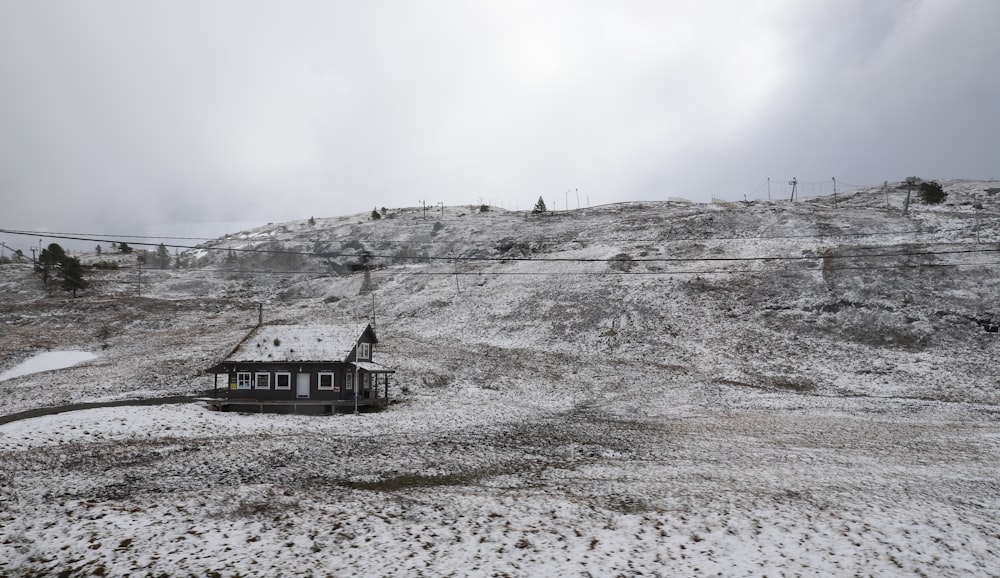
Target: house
302,368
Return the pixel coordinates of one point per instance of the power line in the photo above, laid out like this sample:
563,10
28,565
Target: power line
111,238
587,259
486,273
545,259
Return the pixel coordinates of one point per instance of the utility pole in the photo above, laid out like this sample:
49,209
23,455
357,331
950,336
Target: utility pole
34,261
885,187
577,198
424,203
976,205
795,183
909,183
260,314
769,188
835,192
139,282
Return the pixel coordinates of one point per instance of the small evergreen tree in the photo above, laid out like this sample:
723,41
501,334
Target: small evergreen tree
161,258
539,206
98,249
72,275
124,249
932,193
375,215
55,263
312,221
49,261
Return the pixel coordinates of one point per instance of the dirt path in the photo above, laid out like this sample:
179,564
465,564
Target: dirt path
42,411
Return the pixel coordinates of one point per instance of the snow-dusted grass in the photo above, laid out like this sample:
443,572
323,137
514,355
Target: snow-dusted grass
702,418
791,486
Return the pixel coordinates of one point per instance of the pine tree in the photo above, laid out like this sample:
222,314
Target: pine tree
375,215
72,275
539,206
161,258
931,192
49,261
55,263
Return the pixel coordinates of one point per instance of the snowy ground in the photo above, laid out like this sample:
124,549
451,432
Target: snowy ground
774,419
48,361
794,487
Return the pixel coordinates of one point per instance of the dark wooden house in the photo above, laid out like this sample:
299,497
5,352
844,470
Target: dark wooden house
302,368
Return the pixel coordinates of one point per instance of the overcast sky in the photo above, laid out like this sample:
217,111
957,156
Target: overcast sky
119,117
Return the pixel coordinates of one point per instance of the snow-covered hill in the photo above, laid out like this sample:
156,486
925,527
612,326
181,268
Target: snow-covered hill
646,388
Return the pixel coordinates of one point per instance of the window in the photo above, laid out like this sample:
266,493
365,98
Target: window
326,381
367,382
263,381
350,382
364,351
243,380
283,380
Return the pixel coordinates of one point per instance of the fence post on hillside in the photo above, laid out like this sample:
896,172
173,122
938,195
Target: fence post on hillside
976,205
910,183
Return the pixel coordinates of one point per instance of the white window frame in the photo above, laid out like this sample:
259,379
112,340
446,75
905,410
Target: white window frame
333,381
262,376
244,379
365,351
349,384
288,375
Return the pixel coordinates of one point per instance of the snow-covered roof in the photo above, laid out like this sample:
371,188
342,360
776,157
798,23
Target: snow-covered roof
372,367
298,343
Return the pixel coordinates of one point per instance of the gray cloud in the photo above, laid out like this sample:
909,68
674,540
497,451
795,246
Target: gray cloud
118,116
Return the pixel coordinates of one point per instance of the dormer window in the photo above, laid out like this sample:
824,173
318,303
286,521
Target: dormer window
364,351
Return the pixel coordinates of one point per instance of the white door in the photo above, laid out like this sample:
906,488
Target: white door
302,385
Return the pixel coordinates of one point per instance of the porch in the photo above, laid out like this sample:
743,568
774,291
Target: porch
304,406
